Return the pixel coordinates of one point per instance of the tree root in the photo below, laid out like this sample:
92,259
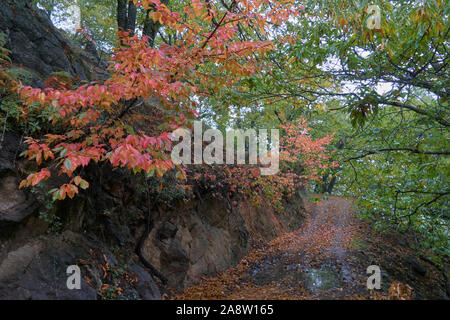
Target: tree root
138,251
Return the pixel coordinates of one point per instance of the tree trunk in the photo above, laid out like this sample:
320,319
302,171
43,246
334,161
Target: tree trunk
328,186
126,16
150,29
122,16
331,184
132,14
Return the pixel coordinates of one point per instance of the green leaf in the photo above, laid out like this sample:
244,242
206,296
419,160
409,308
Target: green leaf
151,172
83,185
68,164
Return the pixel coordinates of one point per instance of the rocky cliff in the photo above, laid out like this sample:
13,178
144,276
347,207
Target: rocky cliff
37,47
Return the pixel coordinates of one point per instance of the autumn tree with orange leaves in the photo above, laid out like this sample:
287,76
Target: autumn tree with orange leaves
178,75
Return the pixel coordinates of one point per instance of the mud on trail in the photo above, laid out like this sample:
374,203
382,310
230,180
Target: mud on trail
327,259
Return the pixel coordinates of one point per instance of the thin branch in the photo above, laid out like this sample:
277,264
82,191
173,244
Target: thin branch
368,153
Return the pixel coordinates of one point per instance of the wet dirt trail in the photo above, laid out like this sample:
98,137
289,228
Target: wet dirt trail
326,259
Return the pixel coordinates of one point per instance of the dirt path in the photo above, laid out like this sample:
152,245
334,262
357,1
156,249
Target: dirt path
326,259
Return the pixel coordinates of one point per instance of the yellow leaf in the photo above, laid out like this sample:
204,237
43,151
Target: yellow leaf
22,183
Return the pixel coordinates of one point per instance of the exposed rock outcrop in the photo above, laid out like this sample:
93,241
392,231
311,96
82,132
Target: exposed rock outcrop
37,270
191,239
39,48
203,238
15,205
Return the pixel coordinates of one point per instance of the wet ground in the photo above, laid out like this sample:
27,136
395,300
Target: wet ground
326,259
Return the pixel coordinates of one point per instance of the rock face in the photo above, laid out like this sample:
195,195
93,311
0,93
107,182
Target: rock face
15,204
203,238
38,47
38,270
100,231
192,239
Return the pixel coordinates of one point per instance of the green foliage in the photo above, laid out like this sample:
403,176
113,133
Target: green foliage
384,94
4,59
46,209
62,75
10,109
166,189
20,74
115,280
98,17
31,120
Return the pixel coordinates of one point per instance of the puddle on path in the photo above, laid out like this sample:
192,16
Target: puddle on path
325,278
321,279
